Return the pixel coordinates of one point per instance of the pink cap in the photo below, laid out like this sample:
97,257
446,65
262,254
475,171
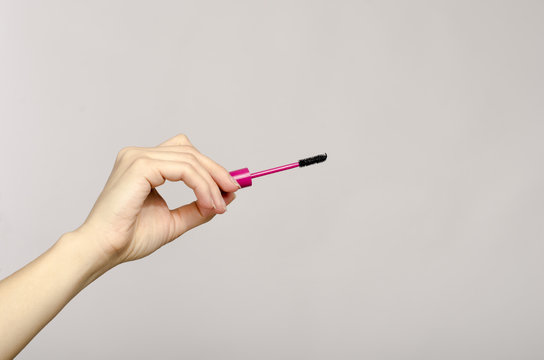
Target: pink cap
242,176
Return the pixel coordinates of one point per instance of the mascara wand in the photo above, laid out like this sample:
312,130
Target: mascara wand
244,177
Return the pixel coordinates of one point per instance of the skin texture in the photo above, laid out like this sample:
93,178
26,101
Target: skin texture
129,221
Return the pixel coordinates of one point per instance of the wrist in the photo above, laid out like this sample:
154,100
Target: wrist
82,251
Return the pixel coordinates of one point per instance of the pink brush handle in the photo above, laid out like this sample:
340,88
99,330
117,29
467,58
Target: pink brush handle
274,170
243,176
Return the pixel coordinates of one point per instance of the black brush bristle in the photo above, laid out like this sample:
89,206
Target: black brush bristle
312,160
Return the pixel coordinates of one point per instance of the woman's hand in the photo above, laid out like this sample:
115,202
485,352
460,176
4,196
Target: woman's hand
131,220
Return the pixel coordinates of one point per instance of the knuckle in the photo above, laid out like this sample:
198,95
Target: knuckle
125,152
182,138
141,163
122,153
186,169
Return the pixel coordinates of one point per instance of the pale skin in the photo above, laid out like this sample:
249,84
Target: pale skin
129,221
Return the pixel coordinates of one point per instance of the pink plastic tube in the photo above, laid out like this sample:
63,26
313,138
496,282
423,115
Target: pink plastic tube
244,177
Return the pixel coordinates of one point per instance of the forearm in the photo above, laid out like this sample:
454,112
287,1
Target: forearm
32,296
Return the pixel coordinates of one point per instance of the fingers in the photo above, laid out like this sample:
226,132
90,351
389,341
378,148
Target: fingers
219,174
156,172
229,197
188,216
181,143
177,160
193,161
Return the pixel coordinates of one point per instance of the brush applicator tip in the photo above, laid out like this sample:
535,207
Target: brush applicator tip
312,160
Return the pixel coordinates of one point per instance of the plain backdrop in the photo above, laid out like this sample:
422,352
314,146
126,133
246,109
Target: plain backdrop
421,237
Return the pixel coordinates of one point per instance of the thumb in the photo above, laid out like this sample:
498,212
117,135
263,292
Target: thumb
190,216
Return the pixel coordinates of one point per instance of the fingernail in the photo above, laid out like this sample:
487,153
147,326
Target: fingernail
235,182
213,204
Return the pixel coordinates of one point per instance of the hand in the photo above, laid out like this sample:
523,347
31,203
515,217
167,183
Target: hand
131,220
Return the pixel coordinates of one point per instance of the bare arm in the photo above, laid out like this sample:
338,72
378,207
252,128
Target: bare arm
130,220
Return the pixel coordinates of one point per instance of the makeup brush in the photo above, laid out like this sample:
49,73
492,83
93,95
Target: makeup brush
244,177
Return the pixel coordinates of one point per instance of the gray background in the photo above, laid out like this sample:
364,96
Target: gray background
420,238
